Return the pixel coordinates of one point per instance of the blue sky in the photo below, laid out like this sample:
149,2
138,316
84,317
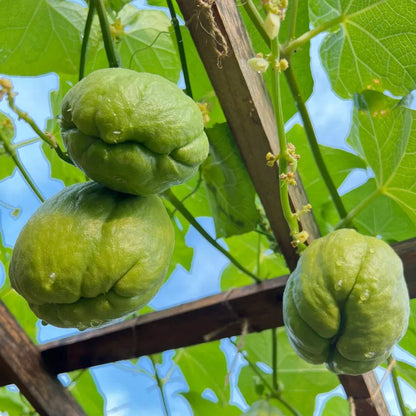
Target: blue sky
128,391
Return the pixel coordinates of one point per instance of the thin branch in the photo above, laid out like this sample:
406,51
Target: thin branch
8,147
313,142
274,359
170,196
181,49
306,37
257,19
160,385
112,56
85,38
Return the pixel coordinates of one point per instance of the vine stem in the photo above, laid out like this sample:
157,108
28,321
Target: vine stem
293,20
160,385
256,18
391,361
346,221
291,46
273,392
85,39
170,196
50,140
112,56
12,152
181,49
274,359
312,140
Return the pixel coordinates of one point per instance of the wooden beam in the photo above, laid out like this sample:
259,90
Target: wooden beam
246,105
21,364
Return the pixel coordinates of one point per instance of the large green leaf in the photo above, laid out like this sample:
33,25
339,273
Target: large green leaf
384,134
371,46
231,193
297,378
409,340
252,250
340,164
85,391
204,367
382,216
40,36
144,43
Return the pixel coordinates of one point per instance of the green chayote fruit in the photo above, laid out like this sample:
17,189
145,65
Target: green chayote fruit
263,408
346,303
89,255
133,132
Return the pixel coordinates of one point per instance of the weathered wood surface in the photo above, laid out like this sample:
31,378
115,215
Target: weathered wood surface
21,364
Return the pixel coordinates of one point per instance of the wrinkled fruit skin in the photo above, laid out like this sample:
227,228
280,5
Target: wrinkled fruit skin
133,132
346,303
90,255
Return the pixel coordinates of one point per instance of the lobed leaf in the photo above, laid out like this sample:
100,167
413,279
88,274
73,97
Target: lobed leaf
371,45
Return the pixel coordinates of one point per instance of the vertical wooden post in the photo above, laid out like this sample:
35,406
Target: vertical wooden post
20,361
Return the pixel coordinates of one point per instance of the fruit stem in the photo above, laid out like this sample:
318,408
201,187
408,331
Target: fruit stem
181,49
170,196
112,56
85,38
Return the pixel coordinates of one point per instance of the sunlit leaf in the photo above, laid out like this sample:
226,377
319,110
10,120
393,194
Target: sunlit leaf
384,134
336,406
230,190
84,389
6,132
204,407
13,403
40,36
252,250
370,46
204,366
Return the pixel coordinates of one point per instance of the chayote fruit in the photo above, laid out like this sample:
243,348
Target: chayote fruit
90,255
133,132
346,303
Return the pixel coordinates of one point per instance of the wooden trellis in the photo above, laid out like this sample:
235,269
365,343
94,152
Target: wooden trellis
247,107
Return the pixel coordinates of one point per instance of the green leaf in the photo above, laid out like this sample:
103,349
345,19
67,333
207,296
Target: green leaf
340,164
372,47
13,403
204,407
253,251
144,44
408,342
204,366
85,391
231,193
407,372
297,378
6,133
336,406
384,134
40,36
5,254
60,169
382,216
